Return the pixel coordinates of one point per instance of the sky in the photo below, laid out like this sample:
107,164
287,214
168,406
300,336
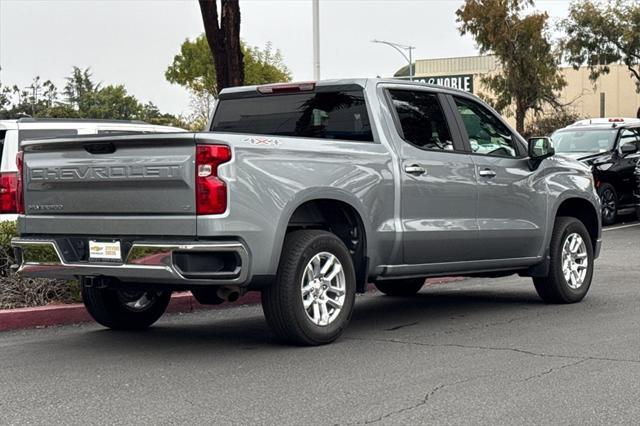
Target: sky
132,42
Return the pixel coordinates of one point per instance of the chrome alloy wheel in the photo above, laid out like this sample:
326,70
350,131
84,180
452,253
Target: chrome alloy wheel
136,301
323,288
575,260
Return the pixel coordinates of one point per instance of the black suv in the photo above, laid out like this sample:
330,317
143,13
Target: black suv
611,146
637,189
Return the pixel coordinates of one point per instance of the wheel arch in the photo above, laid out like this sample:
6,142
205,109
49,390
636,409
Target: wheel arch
585,211
339,213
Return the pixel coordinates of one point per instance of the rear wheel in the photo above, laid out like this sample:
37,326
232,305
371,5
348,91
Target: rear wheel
312,299
400,288
609,202
125,309
571,263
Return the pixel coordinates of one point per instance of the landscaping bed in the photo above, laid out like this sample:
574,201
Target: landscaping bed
18,292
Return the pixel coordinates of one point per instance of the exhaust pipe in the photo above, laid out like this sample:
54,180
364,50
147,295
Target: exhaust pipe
228,294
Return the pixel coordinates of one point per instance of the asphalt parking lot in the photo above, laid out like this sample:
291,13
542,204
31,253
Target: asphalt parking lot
478,351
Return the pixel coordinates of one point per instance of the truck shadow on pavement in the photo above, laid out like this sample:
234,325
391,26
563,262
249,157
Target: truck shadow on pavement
375,315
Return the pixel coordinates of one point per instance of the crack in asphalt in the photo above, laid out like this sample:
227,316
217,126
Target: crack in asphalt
432,392
554,369
496,348
418,404
398,327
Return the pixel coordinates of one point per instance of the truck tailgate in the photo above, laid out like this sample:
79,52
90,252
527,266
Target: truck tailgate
145,183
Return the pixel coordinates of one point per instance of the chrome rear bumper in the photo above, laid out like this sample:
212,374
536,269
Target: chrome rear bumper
145,262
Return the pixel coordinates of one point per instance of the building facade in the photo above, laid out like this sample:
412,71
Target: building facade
613,95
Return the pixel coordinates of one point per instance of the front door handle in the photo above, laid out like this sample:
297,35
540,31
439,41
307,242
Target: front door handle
487,173
414,169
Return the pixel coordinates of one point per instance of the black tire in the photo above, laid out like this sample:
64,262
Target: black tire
108,307
400,288
554,288
282,302
609,202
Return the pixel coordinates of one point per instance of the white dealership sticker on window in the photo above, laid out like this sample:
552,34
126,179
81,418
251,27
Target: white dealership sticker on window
104,250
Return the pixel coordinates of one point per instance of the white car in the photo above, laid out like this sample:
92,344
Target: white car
13,132
606,121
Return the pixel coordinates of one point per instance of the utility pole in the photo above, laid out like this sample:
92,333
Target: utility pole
400,48
316,39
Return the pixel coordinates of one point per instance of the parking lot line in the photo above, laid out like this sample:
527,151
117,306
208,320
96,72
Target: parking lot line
621,227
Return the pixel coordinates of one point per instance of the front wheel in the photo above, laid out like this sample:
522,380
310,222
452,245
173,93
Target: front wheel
125,309
571,263
609,202
312,299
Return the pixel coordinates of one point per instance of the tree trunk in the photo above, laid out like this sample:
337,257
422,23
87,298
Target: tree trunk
521,113
231,29
224,41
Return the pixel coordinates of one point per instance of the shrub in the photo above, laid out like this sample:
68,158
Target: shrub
547,124
17,292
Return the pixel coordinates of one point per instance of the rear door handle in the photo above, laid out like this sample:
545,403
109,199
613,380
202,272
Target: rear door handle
414,169
487,173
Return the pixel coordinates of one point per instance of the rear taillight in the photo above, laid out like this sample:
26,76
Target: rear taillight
19,196
8,192
211,192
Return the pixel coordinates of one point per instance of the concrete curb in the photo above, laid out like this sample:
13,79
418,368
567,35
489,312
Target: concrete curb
52,315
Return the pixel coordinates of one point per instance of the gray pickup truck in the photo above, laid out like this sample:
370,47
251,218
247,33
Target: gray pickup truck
306,192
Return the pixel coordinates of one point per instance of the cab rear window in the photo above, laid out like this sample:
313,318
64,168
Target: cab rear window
340,115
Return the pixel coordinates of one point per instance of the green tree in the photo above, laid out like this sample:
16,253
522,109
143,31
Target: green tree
193,69
599,35
112,102
545,125
529,77
81,97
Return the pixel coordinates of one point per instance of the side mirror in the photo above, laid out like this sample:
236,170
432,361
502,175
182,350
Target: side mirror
540,148
628,148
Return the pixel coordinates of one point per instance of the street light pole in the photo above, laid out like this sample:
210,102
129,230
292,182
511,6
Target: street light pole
400,48
316,40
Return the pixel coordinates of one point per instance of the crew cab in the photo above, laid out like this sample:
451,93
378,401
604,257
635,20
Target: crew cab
13,132
306,192
611,147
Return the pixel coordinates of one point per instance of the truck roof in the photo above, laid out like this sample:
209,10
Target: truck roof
362,82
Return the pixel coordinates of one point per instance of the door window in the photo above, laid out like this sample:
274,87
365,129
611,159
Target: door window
630,136
422,119
487,134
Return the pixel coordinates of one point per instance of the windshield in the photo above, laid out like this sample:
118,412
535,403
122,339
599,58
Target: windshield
581,140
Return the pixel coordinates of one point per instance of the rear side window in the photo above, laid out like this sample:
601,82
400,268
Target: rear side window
323,115
45,133
422,120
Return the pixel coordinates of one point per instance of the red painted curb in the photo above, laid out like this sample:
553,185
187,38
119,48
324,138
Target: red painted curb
50,315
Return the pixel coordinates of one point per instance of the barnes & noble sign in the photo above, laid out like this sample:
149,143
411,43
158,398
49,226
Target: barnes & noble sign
461,82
